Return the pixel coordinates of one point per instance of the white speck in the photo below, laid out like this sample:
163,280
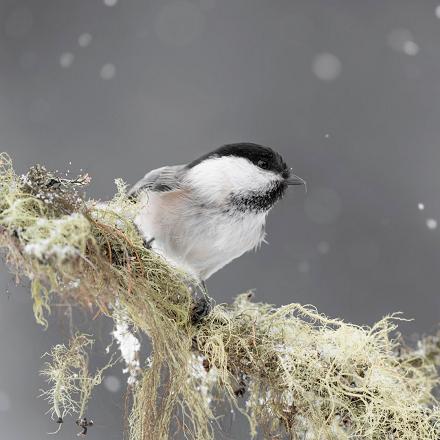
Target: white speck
326,66
323,248
85,39
70,162
411,48
5,402
66,59
112,383
431,223
402,40
421,206
129,346
437,11
108,71
203,380
327,135
110,2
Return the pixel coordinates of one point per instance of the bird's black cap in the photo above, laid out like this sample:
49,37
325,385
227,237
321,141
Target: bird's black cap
259,155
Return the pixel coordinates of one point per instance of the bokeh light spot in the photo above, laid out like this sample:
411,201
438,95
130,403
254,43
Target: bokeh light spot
402,40
326,66
304,267
108,71
431,223
112,384
85,39
411,48
66,59
323,248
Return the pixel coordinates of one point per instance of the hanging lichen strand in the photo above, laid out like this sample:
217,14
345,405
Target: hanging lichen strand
290,370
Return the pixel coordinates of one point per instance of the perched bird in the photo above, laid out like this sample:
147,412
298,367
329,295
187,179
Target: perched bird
204,214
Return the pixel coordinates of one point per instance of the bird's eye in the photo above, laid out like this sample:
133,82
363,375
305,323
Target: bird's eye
262,164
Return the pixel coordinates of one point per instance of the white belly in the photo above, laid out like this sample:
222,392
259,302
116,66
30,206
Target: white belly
199,241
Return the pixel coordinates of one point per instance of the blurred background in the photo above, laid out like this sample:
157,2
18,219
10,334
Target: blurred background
347,91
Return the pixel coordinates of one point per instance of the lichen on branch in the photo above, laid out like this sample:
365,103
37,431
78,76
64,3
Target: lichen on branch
70,384
290,370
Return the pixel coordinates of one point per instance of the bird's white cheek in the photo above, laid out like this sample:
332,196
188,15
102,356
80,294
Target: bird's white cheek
215,180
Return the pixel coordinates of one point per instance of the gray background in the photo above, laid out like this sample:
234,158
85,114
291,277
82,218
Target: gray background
347,91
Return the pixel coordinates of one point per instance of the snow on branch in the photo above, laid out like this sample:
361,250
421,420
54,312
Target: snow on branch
292,371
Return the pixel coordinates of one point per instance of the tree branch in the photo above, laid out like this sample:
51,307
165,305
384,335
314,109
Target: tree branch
292,371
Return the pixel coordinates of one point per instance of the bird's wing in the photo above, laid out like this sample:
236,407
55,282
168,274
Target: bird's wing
160,180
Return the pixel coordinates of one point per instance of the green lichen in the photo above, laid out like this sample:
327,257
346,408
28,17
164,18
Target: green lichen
70,384
302,374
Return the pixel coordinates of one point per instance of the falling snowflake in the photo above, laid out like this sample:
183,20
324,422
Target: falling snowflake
411,48
304,267
108,71
402,40
85,39
326,66
112,384
66,59
431,223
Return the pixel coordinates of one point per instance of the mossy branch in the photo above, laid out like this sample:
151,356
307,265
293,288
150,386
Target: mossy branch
290,370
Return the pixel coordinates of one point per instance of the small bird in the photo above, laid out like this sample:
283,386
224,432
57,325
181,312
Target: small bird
204,214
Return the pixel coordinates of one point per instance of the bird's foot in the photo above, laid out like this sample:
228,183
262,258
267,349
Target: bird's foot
202,304
242,383
84,424
148,243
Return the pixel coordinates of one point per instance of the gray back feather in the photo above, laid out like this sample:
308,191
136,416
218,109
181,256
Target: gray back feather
160,180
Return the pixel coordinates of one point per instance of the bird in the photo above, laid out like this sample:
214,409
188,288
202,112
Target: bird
204,214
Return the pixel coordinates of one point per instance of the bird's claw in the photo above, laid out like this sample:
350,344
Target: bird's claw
202,306
84,424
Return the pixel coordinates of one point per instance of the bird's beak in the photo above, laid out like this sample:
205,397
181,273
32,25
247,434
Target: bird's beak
293,179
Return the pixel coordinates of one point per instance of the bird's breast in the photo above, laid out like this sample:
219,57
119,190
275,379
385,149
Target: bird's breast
201,238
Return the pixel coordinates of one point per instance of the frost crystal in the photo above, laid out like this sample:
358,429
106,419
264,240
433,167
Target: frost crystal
129,346
205,380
